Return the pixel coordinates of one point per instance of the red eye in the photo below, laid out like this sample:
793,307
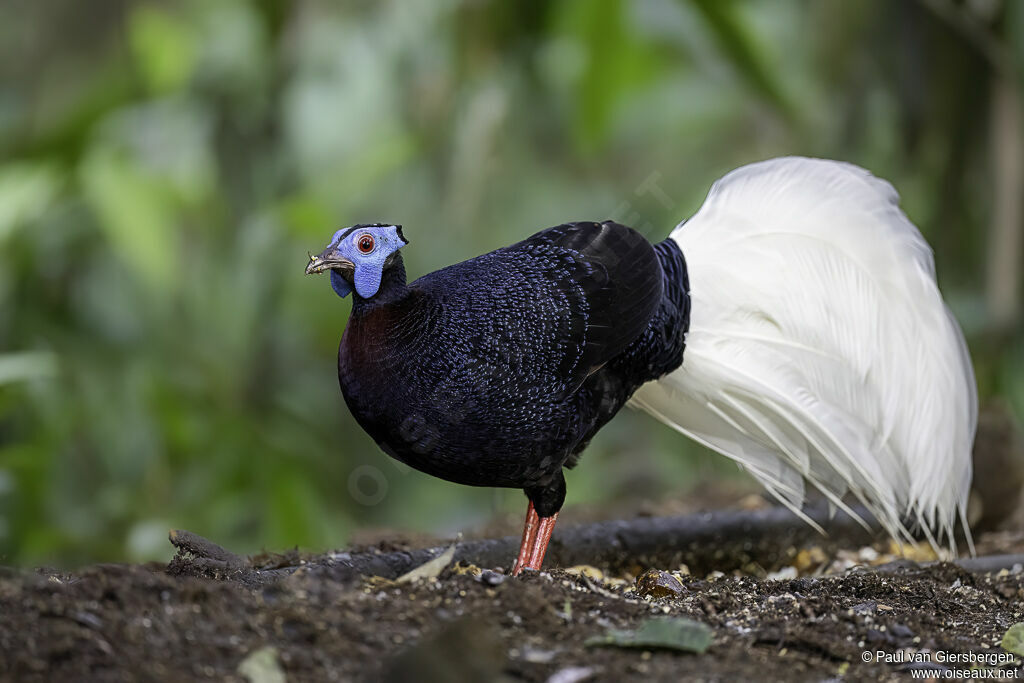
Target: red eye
365,243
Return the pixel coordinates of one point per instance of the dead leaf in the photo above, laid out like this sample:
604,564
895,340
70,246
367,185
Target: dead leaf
467,570
429,570
809,559
658,584
585,570
262,666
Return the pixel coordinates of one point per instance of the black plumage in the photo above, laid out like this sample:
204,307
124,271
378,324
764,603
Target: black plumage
498,371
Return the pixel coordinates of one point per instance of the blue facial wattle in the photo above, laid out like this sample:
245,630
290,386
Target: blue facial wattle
340,285
370,267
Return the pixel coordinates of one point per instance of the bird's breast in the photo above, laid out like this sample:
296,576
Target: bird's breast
389,371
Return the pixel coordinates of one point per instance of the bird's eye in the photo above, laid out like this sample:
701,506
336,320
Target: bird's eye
365,243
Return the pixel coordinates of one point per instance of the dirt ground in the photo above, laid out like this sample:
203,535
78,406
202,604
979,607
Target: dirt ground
812,617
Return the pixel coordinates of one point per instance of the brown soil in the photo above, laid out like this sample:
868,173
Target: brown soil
128,623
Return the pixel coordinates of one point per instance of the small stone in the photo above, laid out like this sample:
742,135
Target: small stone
655,583
536,655
900,631
864,608
877,636
573,674
867,554
491,578
784,574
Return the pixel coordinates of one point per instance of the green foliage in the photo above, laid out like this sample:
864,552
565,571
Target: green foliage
738,43
616,63
165,167
163,47
26,366
667,633
27,189
135,215
1013,639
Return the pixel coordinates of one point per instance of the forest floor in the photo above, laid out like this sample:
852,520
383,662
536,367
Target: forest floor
820,611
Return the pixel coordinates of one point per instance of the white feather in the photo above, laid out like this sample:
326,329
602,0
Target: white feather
819,347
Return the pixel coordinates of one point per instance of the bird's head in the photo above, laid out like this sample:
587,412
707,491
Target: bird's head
357,257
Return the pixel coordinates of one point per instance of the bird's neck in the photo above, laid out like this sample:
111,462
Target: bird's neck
392,287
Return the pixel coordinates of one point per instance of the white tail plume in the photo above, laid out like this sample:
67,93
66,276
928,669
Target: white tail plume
820,349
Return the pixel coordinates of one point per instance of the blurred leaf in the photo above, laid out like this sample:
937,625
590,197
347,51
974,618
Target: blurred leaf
1015,36
164,46
134,214
685,635
738,43
1013,639
168,139
233,52
27,365
63,134
26,190
147,540
617,62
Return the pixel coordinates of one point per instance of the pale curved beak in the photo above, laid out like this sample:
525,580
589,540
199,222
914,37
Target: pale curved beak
329,260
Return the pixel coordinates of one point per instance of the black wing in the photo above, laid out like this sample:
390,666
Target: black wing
529,322
617,280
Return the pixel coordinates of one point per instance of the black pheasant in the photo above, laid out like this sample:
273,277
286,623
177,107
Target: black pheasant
819,348
498,370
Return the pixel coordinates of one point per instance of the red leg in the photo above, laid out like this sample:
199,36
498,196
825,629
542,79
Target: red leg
529,537
540,545
536,535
